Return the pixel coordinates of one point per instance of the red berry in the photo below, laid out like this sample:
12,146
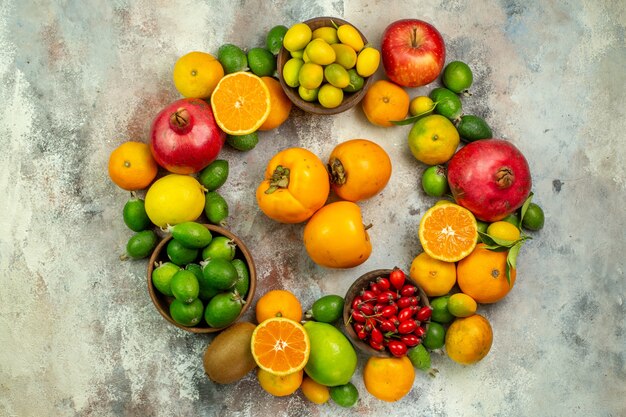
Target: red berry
410,340
366,309
356,302
397,278
361,334
394,320
403,302
374,287
358,327
383,283
368,295
370,323
389,311
407,327
358,316
406,313
414,301
387,325
376,335
408,290
424,313
375,345
419,332
397,348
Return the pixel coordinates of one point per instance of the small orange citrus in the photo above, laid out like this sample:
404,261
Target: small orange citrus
196,74
433,276
482,275
132,166
388,379
278,303
469,339
385,101
280,385
280,105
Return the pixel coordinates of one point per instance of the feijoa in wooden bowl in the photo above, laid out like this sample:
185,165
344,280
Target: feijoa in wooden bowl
374,316
162,302
349,99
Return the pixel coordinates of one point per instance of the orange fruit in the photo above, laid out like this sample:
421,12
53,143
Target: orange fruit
482,275
435,277
314,391
388,379
196,74
278,303
280,105
448,232
469,339
240,103
132,166
385,101
280,385
280,346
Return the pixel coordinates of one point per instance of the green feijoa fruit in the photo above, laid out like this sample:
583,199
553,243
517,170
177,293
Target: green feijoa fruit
419,357
185,286
220,247
243,143
473,128
337,75
440,312
141,244
206,291
345,395
191,234
232,58
242,285
214,175
135,216
435,181
219,273
447,103
215,208
262,62
162,277
179,253
533,217
457,76
356,82
327,309
187,314
435,336
274,39
223,309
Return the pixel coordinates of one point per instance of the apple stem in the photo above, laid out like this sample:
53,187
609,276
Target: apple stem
414,43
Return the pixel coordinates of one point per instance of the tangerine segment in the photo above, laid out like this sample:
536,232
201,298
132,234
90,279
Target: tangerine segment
280,346
240,103
448,232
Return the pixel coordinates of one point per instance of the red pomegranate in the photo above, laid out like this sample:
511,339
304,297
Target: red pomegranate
184,137
489,177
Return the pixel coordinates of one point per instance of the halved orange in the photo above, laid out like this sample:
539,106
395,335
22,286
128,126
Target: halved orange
280,346
448,232
240,103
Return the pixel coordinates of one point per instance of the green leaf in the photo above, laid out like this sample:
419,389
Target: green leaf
496,248
494,241
511,259
415,118
525,207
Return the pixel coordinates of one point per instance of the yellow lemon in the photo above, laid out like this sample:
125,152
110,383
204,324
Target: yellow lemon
174,199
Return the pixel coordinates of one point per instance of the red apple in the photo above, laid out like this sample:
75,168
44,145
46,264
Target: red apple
184,137
413,52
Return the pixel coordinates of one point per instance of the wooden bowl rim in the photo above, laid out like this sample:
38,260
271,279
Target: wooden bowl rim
350,99
358,284
158,299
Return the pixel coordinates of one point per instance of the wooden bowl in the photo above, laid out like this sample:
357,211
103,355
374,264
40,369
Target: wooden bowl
355,289
349,99
162,302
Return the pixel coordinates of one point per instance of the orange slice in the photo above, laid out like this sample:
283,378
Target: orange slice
448,232
280,346
240,103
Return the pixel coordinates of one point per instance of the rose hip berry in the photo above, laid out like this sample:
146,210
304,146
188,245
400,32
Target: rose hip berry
397,348
397,278
383,283
407,327
408,290
424,313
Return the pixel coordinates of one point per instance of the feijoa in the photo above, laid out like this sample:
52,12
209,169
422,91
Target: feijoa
215,208
457,76
214,175
141,244
135,216
243,277
185,286
191,234
473,128
327,309
219,273
220,247
162,276
179,253
274,39
447,103
187,314
223,309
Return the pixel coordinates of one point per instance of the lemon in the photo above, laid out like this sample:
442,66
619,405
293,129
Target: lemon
311,75
433,139
348,35
330,96
319,52
297,37
344,55
174,199
421,105
461,305
503,230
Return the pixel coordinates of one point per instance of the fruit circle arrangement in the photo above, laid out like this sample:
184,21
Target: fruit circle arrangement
470,242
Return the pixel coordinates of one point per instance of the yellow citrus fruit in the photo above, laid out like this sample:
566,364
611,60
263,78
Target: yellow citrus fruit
280,346
314,391
280,105
367,62
297,37
384,102
461,305
421,105
350,36
388,379
435,277
174,199
469,339
504,230
448,232
240,103
132,166
196,74
278,303
482,275
280,385
433,139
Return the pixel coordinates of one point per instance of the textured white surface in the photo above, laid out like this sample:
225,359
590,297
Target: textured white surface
78,332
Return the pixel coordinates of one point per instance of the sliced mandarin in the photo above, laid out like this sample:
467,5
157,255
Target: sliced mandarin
448,232
280,346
